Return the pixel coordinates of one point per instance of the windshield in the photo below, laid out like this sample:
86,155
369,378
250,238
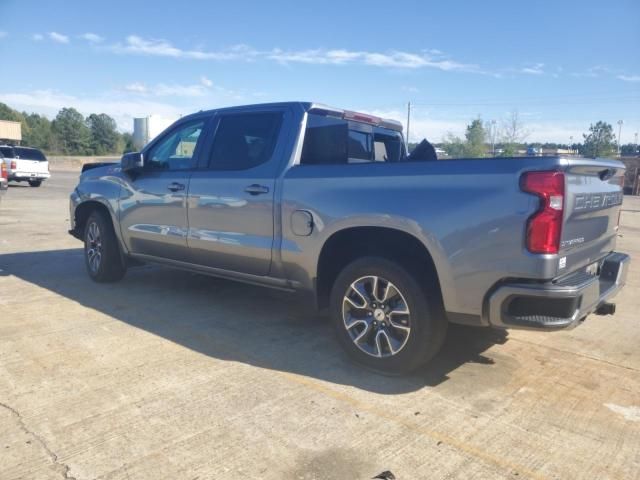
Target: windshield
29,154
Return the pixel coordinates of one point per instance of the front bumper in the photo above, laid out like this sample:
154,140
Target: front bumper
559,304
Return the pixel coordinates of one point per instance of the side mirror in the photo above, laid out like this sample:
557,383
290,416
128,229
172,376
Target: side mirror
131,161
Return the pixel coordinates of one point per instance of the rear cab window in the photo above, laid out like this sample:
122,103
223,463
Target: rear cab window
330,140
29,154
7,152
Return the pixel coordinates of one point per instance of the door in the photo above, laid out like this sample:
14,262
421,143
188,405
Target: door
231,200
153,210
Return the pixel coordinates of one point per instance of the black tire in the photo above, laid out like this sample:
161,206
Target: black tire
426,320
35,183
109,266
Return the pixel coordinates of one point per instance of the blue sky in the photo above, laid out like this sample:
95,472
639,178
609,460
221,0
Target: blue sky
560,64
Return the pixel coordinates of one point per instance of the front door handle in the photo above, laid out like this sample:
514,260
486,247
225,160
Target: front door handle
256,189
175,186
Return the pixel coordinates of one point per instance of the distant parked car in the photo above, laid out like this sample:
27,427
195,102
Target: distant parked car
4,177
25,164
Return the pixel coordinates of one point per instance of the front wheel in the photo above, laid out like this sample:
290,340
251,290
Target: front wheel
383,316
35,183
101,251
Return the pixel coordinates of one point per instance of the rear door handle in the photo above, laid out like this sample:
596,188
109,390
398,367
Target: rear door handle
175,186
256,189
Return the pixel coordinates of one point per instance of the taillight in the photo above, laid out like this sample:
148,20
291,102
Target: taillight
3,170
13,165
545,226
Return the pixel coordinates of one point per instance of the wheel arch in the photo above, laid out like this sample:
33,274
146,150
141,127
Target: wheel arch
84,209
348,244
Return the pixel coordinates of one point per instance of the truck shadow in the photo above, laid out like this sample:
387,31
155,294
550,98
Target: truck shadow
232,321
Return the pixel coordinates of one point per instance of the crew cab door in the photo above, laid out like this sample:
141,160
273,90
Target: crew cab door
153,206
231,197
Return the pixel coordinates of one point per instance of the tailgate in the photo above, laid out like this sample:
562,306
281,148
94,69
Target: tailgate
593,200
32,166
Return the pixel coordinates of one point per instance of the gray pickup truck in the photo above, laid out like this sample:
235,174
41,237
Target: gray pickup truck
327,203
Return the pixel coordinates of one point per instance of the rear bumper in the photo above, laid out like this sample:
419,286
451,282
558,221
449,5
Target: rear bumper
560,304
24,176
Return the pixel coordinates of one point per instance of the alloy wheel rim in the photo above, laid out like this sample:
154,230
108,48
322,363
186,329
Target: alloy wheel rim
94,247
376,316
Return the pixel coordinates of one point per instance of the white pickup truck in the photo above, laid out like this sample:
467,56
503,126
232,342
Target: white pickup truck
25,164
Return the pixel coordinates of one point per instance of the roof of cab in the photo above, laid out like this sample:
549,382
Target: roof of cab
309,106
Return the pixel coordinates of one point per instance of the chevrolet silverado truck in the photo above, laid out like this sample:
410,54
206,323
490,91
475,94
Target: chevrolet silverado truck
326,202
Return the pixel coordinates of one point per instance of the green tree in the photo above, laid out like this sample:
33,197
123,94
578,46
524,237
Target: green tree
38,134
104,136
70,132
8,113
629,149
513,134
454,146
476,137
128,146
600,141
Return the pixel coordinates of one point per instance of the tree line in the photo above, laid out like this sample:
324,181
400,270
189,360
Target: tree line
485,139
70,133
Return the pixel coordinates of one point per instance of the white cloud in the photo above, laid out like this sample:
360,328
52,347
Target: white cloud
536,69
392,59
164,90
162,48
136,87
172,90
58,37
629,78
92,37
37,37
593,72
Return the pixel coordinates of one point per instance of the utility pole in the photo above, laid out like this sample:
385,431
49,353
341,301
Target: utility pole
408,123
620,122
493,138
571,144
636,139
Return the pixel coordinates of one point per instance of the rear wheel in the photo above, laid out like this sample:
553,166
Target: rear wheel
383,316
35,183
101,251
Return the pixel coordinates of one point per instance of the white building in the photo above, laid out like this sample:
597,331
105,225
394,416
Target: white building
10,131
